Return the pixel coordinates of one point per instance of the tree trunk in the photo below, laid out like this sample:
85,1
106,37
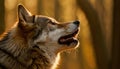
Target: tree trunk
97,34
40,7
116,36
2,12
65,11
46,7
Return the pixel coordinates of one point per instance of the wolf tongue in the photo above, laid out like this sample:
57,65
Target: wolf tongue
66,40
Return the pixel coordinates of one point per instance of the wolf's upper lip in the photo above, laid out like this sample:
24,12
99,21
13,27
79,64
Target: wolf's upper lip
68,39
70,35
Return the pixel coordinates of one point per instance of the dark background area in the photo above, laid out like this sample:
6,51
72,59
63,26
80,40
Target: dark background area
100,32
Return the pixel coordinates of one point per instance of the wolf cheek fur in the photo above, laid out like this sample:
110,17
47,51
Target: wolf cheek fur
35,41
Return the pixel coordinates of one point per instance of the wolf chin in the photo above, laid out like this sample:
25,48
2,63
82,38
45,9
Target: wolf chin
35,41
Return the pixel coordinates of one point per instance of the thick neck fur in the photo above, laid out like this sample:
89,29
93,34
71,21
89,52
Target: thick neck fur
16,53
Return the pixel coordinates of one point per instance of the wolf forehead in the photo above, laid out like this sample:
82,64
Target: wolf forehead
43,19
40,20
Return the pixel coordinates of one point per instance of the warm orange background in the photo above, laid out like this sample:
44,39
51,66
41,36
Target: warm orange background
84,57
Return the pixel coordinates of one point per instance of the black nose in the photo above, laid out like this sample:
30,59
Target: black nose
76,22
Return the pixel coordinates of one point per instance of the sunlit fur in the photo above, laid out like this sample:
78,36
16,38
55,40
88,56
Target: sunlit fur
33,42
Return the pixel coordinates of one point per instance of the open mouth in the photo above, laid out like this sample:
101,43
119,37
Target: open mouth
68,39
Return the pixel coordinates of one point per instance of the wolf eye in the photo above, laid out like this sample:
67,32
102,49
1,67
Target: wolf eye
51,22
51,26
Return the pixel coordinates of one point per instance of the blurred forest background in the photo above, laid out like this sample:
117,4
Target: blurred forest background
100,32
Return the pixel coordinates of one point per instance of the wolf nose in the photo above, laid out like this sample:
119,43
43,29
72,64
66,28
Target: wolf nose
76,22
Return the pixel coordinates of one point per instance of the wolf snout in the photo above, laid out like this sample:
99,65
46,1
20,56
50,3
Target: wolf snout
77,23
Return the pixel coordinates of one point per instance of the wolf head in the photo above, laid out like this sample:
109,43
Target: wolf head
35,41
47,33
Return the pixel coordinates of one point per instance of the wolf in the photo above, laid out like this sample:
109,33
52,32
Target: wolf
35,41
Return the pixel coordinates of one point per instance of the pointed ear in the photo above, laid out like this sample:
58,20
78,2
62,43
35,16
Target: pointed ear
23,13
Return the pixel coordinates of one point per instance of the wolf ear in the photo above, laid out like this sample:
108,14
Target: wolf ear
23,13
